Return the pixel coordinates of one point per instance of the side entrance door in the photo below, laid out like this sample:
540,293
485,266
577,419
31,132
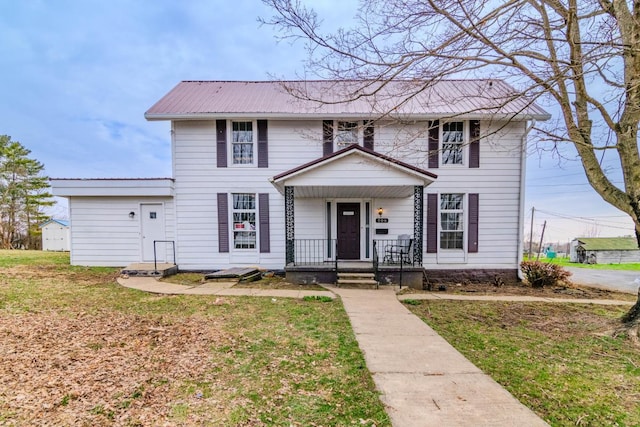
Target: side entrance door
152,228
348,230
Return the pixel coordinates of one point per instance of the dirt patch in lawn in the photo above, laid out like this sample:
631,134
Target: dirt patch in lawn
266,282
99,369
60,274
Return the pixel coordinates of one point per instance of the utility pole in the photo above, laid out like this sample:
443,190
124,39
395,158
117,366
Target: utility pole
541,237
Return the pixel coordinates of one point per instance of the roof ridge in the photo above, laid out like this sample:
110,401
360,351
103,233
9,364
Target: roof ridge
343,80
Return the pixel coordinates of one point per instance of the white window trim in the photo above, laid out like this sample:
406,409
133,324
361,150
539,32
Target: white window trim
232,242
254,127
360,134
465,223
465,145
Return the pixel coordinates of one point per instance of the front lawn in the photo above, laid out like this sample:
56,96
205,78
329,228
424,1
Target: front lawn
78,349
554,358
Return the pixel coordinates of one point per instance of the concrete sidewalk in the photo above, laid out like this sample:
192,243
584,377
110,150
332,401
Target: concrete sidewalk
424,381
150,284
512,298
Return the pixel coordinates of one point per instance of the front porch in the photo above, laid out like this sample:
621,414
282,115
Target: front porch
354,210
314,261
403,276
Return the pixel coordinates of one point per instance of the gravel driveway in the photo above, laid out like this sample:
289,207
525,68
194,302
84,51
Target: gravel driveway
616,280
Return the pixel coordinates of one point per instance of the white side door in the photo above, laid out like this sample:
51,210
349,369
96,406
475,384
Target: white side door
152,228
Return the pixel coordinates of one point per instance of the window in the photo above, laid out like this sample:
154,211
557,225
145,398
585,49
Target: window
452,143
451,221
242,143
347,133
244,221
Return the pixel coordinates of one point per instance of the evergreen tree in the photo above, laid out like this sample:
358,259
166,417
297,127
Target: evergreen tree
23,196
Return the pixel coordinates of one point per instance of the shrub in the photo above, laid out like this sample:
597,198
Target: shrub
541,274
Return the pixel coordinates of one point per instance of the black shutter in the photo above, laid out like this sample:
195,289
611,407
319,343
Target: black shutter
472,243
327,137
474,145
432,223
223,222
221,143
434,143
263,215
263,146
368,136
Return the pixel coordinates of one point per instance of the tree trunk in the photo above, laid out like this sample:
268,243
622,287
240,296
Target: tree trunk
631,322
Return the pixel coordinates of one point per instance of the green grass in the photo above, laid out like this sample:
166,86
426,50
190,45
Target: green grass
564,262
32,258
552,357
258,361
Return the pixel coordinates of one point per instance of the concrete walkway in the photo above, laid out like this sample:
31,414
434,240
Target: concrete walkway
150,284
512,298
423,380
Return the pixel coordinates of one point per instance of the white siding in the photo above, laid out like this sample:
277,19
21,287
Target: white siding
293,143
497,181
103,234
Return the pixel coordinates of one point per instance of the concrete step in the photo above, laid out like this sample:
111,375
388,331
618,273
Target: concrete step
149,270
352,275
357,280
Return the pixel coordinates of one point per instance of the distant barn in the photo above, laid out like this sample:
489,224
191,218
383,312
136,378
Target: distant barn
55,235
605,250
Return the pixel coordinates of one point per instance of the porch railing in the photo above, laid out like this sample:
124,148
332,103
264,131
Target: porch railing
314,251
393,252
390,253
386,252
376,261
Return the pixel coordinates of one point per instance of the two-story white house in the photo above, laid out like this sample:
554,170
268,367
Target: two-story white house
265,177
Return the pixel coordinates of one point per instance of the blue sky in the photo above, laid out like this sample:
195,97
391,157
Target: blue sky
77,77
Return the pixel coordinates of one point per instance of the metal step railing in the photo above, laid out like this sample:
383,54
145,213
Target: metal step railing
155,258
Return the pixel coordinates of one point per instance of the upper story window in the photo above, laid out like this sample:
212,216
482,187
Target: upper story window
242,143
451,221
346,134
453,142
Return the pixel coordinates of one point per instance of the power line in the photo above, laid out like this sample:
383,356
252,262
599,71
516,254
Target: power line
586,220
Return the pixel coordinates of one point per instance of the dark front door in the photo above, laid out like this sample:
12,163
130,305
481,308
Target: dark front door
348,230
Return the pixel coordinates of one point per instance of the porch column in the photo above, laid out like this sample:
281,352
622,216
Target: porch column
418,223
289,225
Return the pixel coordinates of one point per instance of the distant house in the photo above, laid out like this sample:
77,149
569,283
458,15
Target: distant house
264,178
605,250
55,235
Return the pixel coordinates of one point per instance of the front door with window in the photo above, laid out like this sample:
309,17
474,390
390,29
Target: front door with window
152,228
348,230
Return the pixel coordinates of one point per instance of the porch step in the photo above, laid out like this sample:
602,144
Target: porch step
149,270
357,280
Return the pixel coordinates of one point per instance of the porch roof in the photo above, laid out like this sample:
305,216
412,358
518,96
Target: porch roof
354,172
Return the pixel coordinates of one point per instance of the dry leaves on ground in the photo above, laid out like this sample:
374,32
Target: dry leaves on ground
101,369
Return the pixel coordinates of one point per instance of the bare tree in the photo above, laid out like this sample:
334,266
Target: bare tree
582,57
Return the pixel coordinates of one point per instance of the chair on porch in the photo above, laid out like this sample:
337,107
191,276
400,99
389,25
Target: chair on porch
399,252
